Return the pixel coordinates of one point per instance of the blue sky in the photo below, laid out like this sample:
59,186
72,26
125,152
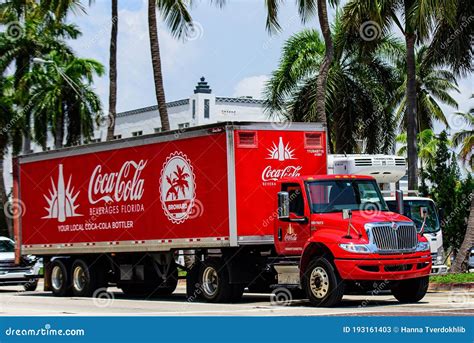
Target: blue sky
230,47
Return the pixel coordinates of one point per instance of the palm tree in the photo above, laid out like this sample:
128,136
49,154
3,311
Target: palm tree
31,30
415,20
433,85
307,9
62,99
113,73
360,88
465,138
6,121
426,145
452,40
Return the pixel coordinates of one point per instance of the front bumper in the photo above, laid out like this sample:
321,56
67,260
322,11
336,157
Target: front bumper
383,267
19,275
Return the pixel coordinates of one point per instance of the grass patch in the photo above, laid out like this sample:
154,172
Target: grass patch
453,278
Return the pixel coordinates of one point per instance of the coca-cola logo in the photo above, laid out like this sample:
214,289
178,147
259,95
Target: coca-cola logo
274,174
123,185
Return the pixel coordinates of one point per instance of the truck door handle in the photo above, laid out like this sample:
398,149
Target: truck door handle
279,234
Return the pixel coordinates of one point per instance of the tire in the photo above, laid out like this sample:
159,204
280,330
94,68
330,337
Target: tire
411,290
84,278
60,279
31,285
214,281
322,284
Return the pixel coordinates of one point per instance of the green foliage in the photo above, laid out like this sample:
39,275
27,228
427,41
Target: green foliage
451,194
360,89
453,278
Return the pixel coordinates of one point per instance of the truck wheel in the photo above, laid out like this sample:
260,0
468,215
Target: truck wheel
84,279
322,283
411,290
60,282
214,281
31,285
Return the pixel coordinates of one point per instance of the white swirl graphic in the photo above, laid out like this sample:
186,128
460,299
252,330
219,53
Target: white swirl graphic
370,30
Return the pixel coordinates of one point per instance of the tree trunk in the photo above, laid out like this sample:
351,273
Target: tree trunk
59,130
156,62
411,113
326,64
113,73
6,228
467,244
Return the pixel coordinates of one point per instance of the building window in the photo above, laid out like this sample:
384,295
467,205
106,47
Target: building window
137,133
206,108
183,125
95,140
157,129
118,137
194,109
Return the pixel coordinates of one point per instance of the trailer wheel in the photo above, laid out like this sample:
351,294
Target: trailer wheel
85,279
322,283
214,281
411,290
60,282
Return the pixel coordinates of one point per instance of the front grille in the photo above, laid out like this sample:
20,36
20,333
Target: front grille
387,238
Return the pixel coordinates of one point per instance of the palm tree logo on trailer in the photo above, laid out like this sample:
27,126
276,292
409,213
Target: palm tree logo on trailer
61,200
177,187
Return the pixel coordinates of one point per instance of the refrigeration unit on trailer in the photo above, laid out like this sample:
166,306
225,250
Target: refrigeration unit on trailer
254,204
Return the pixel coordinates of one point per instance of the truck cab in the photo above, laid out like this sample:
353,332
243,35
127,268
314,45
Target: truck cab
432,229
344,234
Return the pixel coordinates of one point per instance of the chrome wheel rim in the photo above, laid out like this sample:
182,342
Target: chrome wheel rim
79,278
57,278
319,282
210,281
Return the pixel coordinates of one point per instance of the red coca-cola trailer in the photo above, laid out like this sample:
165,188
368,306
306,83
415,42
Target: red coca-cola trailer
238,198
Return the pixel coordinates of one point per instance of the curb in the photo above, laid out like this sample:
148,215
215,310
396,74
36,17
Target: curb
448,287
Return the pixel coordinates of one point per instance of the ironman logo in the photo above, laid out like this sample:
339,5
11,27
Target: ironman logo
177,187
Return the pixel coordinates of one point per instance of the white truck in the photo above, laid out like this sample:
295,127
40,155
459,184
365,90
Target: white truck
388,170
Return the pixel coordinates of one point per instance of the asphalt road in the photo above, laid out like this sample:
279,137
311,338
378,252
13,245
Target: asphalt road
15,302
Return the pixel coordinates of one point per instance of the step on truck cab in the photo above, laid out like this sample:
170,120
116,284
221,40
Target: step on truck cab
250,202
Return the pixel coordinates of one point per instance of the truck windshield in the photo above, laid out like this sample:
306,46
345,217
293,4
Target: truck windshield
336,195
411,209
6,246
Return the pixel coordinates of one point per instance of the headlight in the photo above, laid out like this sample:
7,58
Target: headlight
357,248
423,246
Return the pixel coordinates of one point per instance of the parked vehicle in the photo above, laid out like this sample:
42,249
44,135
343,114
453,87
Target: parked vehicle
26,273
387,170
471,259
253,202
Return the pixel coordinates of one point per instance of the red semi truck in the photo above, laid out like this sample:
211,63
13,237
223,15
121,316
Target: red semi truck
253,204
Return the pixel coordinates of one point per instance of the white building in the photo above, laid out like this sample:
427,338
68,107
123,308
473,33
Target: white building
202,107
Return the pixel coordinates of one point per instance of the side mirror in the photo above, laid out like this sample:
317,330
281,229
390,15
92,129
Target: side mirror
283,205
346,214
399,201
441,214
